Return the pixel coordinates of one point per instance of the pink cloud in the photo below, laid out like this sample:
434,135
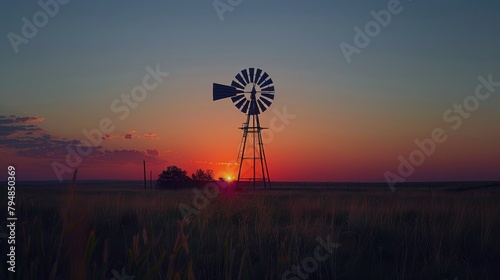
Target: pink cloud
18,126
129,135
28,119
214,163
152,136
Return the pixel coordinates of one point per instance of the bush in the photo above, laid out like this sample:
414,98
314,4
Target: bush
173,178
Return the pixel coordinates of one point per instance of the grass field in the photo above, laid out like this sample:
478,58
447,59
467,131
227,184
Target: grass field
85,232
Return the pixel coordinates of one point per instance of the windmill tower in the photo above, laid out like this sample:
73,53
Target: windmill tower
252,92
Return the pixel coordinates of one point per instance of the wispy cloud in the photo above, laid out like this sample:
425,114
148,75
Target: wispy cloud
12,125
152,136
129,135
28,140
132,134
13,119
216,163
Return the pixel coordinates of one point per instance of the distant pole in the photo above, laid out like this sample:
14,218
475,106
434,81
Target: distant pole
144,163
151,179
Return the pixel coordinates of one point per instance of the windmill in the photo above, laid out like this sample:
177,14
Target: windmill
252,92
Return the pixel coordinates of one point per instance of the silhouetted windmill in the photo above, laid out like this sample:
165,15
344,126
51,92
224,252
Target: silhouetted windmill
252,92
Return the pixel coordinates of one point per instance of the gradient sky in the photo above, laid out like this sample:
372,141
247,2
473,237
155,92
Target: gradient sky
352,120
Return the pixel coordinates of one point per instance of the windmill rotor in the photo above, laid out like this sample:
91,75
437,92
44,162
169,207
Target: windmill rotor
251,102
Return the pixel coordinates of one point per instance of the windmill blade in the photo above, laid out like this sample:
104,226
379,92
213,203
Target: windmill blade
252,71
268,95
245,108
257,75
240,79
240,103
267,102
266,83
262,79
237,98
223,91
268,89
261,105
245,75
237,85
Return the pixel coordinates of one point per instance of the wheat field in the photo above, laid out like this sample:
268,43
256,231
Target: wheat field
90,233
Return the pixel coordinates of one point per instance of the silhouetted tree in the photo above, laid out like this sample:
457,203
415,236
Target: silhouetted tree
173,178
203,176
